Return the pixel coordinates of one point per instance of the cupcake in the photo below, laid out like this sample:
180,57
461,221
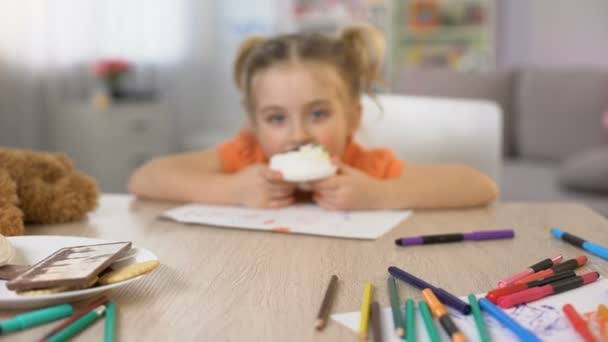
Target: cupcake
307,163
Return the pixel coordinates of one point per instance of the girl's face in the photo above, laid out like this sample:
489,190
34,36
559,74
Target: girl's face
295,104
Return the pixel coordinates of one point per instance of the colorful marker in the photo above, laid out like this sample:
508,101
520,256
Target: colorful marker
456,237
493,295
591,247
539,292
440,312
410,321
479,322
34,318
569,265
539,266
578,323
396,310
365,307
602,314
522,333
428,322
445,297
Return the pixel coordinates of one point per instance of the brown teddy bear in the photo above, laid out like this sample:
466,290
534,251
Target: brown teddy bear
41,187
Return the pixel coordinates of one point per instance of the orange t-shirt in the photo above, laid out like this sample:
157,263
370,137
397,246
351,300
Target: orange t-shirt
244,150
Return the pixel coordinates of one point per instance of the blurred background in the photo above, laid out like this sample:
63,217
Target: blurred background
114,83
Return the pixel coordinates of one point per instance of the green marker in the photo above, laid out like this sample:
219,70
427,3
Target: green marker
481,326
394,296
410,319
78,325
110,326
428,322
36,317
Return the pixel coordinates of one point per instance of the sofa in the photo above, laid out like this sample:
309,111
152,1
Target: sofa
555,147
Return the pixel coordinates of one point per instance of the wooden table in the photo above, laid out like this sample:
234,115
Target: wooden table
229,285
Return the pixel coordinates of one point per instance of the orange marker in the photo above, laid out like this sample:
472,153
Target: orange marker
441,314
602,314
578,323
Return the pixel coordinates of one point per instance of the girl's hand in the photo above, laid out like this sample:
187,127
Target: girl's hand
260,187
349,189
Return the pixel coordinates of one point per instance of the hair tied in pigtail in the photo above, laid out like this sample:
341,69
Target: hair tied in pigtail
240,65
369,46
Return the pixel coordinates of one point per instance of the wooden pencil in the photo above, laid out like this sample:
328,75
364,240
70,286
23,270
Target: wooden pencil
365,306
323,314
76,315
376,322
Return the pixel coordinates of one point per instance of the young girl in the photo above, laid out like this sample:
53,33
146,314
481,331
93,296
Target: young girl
303,88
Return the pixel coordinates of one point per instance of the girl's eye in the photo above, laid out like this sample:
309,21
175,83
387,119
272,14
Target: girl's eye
276,118
319,114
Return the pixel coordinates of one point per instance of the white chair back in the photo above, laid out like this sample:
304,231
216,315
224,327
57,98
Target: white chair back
435,130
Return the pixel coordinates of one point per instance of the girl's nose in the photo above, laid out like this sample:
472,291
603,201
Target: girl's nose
300,136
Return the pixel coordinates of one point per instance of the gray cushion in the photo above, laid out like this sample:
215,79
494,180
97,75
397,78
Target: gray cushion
536,180
558,111
586,171
493,86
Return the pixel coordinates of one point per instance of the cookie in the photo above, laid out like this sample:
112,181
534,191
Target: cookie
128,272
307,163
51,290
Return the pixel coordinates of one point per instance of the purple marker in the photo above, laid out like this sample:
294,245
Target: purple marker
444,296
443,238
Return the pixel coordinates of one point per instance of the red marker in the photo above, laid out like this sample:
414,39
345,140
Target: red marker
539,266
569,265
578,323
493,295
536,293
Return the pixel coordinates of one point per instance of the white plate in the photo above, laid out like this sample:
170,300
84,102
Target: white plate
31,249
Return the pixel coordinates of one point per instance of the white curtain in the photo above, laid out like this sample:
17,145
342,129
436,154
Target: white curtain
47,49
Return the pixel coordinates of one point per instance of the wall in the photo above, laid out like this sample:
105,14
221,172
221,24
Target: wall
552,33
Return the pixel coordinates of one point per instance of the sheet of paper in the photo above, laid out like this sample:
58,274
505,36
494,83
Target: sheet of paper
543,317
299,219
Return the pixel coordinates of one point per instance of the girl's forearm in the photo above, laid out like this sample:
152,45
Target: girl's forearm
183,184
446,186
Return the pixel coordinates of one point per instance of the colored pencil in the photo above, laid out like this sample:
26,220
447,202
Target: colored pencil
78,326
376,322
365,306
110,323
322,316
428,322
76,315
396,310
479,322
410,318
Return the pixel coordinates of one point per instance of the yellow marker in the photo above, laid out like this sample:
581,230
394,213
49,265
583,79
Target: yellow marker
365,306
442,316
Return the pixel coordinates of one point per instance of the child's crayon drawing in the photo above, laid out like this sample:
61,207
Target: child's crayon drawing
302,218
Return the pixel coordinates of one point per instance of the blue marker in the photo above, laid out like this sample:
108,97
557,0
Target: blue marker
590,247
522,333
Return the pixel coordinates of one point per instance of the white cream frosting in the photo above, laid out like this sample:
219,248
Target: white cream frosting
310,162
6,250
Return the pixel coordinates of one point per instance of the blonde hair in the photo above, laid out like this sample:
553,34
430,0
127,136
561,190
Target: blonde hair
357,53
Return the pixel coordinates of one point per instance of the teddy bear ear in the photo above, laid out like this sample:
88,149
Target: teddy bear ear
64,160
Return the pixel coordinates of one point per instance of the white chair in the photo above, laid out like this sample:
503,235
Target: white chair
435,130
